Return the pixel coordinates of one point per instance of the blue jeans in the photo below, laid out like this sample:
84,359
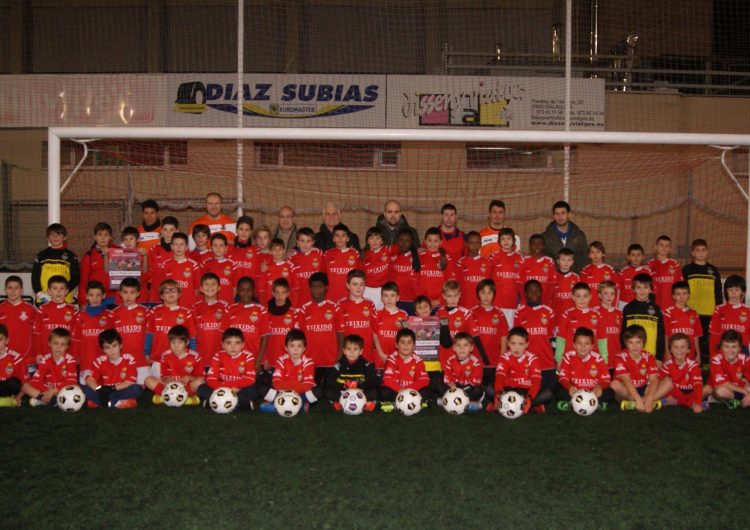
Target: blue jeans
132,392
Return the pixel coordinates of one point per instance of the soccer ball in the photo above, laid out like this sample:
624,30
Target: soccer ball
584,403
71,398
223,400
174,394
408,402
352,401
511,405
288,404
455,401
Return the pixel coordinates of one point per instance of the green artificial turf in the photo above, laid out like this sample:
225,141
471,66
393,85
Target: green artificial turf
190,468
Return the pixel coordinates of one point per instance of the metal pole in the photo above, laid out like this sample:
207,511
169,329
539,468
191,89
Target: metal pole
568,72
240,101
53,177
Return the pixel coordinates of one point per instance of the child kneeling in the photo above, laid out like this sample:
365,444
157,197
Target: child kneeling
233,368
178,364
352,371
112,381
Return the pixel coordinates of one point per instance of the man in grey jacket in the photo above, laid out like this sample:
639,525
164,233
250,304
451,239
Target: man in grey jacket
563,233
391,221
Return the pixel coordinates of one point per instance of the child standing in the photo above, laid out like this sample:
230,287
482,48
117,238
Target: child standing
598,271
55,260
472,269
307,260
93,264
646,314
635,266
377,265
505,272
680,318
666,271
339,260
733,314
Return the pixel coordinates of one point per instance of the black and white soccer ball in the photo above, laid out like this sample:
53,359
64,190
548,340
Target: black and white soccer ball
352,401
455,401
223,400
71,398
174,394
511,405
584,403
287,404
408,402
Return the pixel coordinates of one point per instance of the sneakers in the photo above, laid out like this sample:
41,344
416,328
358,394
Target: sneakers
540,409
192,401
90,404
705,405
267,407
474,406
491,407
526,406
337,406
603,406
34,402
370,406
386,406
9,401
563,406
733,404
658,404
126,404
157,400
627,404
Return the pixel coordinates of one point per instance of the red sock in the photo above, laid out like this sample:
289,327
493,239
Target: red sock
158,389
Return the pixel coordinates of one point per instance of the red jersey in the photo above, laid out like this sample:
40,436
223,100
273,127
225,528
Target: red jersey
454,244
321,322
402,272
386,326
246,259
459,319
463,373
491,326
252,320
627,274
49,317
160,320
178,366
338,263
431,278
157,255
282,269
728,316
305,265
541,269
401,373
278,327
736,373
683,320
593,275
51,374
665,273
377,265
19,319
539,322
236,371
201,256
575,318
85,347
639,370
108,373
358,318
130,323
584,373
470,270
12,364
93,269
298,377
518,372
187,273
610,326
506,272
210,320
686,378
562,297
227,271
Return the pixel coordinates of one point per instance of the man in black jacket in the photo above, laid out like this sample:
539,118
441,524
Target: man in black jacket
392,221
324,237
563,233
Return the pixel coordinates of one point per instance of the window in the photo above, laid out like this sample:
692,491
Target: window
327,155
518,157
112,154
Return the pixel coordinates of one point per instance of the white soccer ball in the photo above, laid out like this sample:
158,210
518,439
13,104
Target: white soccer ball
408,402
511,405
584,403
455,401
223,400
71,398
352,401
288,404
174,394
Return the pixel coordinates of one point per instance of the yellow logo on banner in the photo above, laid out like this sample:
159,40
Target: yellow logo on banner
492,113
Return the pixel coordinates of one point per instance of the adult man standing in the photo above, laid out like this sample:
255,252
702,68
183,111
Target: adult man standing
562,232
217,222
324,237
452,240
286,229
150,225
489,234
392,221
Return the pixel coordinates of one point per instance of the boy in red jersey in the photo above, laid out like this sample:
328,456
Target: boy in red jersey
733,314
129,319
584,369
111,383
224,268
12,372
201,235
463,370
157,254
279,267
92,264
282,318
307,259
377,265
179,363
666,271
388,321
540,267
249,317
54,314
56,371
210,318
293,371
90,323
405,270
636,374
539,322
610,323
183,270
598,271
518,370
472,269
730,371
506,273
453,320
19,316
566,278
339,260
681,380
635,266
243,252
404,369
492,329
161,319
436,267
352,371
234,368
358,314
582,315
680,318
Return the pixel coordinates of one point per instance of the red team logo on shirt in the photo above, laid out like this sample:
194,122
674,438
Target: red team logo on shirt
299,376
123,373
186,273
457,323
179,320
384,257
68,316
253,316
315,263
102,321
23,317
139,318
544,319
287,320
743,317
411,372
9,369
593,321
351,261
227,270
241,368
218,314
593,371
483,268
495,320
366,311
329,314
189,367
606,276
